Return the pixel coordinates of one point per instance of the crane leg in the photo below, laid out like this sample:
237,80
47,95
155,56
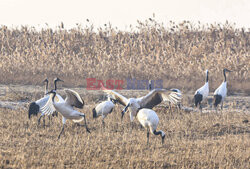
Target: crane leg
85,123
103,124
49,117
43,121
170,108
38,121
63,121
131,126
61,132
147,136
200,107
178,108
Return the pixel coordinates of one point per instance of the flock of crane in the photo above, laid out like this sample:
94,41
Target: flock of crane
138,107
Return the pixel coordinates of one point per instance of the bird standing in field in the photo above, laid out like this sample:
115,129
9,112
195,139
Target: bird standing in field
202,93
44,100
221,92
65,107
104,108
34,107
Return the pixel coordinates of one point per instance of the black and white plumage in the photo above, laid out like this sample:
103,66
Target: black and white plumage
104,108
178,104
34,107
177,91
44,100
221,92
202,93
66,107
152,99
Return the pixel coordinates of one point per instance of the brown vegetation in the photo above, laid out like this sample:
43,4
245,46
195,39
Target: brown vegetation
193,140
176,53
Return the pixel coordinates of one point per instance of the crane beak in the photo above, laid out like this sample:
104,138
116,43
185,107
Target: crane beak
60,80
113,100
226,70
122,114
46,80
162,139
124,110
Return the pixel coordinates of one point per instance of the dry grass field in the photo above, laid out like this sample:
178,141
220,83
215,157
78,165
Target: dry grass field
178,54
193,140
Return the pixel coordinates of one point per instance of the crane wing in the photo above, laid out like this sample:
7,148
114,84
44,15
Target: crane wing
73,98
41,102
156,96
48,108
117,96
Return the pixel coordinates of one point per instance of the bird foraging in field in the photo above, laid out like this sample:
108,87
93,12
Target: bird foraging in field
149,120
66,107
104,108
202,93
221,92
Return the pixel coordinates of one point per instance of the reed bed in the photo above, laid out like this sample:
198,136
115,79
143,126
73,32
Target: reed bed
176,53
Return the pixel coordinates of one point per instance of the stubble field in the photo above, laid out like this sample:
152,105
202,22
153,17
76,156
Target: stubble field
193,139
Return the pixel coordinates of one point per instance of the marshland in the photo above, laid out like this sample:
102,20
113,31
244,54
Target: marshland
176,53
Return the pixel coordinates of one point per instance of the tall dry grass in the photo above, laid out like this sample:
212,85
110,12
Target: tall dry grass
176,53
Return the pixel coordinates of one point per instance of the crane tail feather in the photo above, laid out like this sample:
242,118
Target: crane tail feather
217,100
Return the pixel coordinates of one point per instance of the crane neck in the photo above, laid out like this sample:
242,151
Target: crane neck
55,84
53,97
113,100
224,73
207,77
46,87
